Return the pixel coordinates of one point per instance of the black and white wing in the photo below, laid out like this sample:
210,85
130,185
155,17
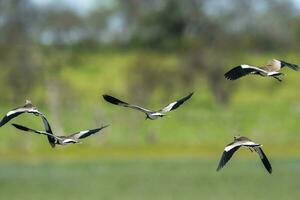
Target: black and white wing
16,112
176,104
243,70
229,150
292,66
26,129
118,102
51,139
264,159
86,133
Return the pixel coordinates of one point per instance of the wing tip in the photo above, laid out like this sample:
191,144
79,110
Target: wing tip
233,73
20,127
219,168
105,126
270,170
112,99
290,65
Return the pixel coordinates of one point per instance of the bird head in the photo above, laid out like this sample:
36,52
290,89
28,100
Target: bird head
236,137
27,101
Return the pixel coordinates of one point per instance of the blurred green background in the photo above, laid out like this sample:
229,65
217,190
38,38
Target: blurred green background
63,55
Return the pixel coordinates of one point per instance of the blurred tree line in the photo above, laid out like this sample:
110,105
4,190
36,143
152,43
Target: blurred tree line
203,34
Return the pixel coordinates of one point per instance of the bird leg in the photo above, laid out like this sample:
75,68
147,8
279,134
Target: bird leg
250,149
277,78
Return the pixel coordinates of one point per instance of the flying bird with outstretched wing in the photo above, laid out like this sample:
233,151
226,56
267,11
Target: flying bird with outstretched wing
271,69
61,140
240,141
150,114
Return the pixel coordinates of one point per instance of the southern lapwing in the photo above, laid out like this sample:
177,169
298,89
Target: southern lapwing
271,69
150,114
240,141
61,140
28,107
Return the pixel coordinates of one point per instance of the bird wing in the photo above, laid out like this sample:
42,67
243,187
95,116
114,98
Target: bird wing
51,140
15,112
86,133
264,159
228,153
24,128
47,125
292,66
176,104
118,102
242,70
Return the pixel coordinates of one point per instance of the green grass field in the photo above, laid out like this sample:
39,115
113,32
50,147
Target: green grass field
149,179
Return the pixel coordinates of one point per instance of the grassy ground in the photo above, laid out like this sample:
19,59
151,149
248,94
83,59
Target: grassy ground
149,179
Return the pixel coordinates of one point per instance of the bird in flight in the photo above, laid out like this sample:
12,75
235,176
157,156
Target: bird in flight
61,140
150,114
271,69
28,107
240,141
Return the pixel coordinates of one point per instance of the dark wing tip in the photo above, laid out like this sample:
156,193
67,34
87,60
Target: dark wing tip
113,100
226,156
97,129
2,123
52,144
265,161
219,167
191,94
23,128
290,65
224,159
187,97
51,141
234,73
267,165
5,119
182,100
105,126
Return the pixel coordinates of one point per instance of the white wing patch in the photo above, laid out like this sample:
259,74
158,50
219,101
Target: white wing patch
169,107
20,110
228,148
69,141
236,144
272,73
244,66
81,133
157,114
15,111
